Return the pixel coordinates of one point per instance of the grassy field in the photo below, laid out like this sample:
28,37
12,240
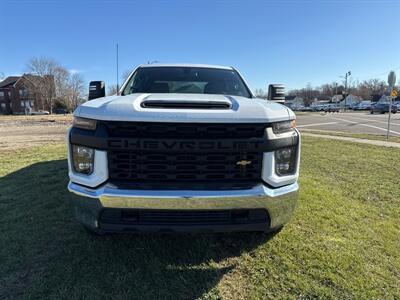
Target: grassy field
343,241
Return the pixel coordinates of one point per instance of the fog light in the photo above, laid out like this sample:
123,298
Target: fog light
83,158
285,161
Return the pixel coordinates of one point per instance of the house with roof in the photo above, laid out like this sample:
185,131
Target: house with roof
294,102
351,100
336,98
319,102
18,94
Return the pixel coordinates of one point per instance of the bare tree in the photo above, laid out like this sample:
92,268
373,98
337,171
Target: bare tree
125,75
76,90
365,89
61,81
112,90
48,80
51,82
260,93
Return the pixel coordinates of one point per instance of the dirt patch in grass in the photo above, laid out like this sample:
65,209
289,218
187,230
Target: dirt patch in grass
26,131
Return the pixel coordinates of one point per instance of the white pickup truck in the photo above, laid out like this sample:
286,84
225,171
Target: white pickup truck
183,148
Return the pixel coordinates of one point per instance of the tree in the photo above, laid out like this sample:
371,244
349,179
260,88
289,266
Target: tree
52,82
112,90
125,75
49,79
61,82
365,90
76,90
260,93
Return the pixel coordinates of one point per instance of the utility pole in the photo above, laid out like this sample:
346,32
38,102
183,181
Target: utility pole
345,89
117,73
391,82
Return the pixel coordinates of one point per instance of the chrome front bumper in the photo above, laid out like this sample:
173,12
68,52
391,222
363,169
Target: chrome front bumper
279,202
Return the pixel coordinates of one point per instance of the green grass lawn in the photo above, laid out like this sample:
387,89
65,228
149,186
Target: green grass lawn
343,242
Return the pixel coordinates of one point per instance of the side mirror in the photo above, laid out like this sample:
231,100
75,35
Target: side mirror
97,89
276,92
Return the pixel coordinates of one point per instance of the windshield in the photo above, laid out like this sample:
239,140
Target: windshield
191,80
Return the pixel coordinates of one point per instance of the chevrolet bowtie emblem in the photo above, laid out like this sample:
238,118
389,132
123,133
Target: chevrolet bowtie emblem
243,163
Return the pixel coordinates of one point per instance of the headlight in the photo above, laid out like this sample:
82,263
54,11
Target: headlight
285,161
285,126
84,123
83,159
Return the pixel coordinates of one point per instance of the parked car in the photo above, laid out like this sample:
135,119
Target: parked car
39,112
61,111
331,108
365,105
354,106
297,108
319,107
383,108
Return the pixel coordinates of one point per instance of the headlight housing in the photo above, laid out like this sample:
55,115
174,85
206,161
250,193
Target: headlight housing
83,159
280,127
84,123
285,161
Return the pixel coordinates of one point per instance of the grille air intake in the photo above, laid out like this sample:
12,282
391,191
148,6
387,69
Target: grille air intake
182,217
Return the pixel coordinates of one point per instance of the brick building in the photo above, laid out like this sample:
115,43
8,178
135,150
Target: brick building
18,96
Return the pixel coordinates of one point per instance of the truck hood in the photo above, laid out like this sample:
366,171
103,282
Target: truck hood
130,108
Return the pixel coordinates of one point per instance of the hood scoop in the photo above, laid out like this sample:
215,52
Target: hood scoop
186,104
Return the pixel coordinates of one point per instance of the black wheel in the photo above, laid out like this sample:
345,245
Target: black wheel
371,112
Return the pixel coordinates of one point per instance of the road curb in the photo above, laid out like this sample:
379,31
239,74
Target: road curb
355,140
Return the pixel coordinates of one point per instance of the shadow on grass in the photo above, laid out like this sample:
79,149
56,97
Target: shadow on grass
44,252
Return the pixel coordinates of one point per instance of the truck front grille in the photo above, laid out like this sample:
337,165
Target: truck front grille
183,167
167,169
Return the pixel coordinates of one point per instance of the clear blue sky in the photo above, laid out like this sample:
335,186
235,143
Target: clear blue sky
290,42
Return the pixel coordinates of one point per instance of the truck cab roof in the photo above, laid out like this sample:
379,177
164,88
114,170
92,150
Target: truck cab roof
185,65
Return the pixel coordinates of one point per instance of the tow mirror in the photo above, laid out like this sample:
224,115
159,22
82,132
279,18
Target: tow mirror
276,92
97,89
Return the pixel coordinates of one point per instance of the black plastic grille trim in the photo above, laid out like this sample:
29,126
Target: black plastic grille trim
183,167
182,217
184,130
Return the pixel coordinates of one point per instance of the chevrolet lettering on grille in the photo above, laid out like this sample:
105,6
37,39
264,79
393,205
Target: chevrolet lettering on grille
174,145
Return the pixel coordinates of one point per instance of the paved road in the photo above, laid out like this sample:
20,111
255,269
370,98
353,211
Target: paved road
353,122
